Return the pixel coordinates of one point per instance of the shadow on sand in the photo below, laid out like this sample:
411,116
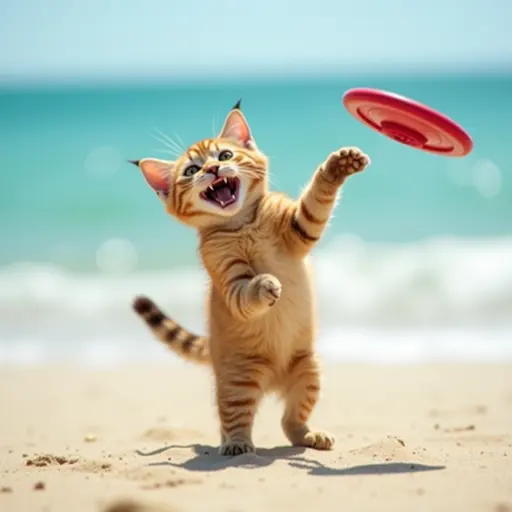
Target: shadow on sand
207,459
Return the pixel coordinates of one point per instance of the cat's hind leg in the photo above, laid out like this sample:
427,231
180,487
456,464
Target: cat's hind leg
301,394
240,388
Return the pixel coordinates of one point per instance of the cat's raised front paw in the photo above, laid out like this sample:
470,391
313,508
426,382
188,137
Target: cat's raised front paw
268,289
344,163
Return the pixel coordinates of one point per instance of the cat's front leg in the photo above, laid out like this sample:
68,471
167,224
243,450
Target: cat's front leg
246,293
314,208
251,298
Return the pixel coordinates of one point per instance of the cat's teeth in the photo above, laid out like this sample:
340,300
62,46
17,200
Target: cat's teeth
233,196
225,181
222,203
211,188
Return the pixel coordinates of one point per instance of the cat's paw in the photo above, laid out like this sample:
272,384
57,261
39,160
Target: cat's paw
267,289
317,440
344,163
236,447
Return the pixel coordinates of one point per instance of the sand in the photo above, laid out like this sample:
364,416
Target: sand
432,438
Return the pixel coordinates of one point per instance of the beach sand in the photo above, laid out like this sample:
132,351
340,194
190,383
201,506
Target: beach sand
409,438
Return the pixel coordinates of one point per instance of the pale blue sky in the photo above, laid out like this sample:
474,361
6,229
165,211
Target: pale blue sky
72,40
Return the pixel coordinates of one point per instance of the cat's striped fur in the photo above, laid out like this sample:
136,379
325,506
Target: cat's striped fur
261,306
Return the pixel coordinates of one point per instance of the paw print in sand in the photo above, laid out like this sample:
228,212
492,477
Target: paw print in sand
344,163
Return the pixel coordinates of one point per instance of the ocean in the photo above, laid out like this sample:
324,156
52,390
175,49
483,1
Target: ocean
416,265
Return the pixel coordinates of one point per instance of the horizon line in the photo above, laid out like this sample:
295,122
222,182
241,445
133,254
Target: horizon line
93,80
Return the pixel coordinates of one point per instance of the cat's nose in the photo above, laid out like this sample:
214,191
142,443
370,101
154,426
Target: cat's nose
212,169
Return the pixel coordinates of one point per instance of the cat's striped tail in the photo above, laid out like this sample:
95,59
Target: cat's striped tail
187,345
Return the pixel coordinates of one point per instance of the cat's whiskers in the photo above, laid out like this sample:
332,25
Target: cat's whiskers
171,152
170,143
181,143
168,138
273,181
248,173
171,149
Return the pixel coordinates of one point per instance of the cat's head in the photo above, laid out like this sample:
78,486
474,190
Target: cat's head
214,179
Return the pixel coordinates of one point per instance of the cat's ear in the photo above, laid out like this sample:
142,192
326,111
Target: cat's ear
157,173
236,127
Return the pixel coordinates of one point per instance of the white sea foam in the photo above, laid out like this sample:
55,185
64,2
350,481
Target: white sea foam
436,300
436,282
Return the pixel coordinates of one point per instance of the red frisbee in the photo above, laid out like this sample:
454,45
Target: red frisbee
408,122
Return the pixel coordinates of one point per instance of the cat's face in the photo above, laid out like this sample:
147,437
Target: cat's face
214,179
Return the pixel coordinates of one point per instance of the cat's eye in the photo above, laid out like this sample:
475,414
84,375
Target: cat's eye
225,155
191,170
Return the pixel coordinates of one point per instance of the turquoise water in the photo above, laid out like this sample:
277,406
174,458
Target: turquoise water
66,188
416,265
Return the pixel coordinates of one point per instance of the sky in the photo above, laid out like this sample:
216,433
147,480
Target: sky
112,40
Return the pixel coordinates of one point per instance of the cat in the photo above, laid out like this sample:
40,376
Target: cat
254,245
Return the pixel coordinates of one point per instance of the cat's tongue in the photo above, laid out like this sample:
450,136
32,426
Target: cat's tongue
222,195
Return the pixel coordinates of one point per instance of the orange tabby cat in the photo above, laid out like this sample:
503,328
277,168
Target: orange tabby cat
261,307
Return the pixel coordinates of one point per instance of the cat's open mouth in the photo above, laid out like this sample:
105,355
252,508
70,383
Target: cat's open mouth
222,192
